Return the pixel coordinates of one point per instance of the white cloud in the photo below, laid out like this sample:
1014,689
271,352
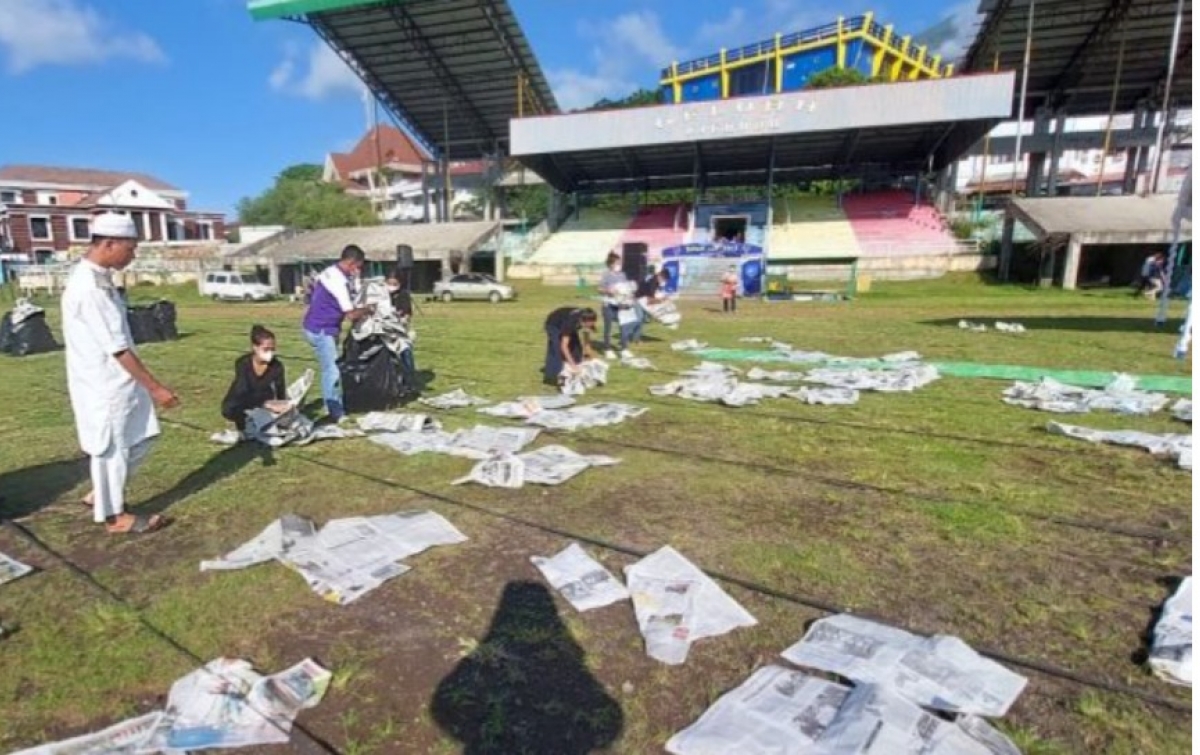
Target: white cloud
62,32
321,74
965,19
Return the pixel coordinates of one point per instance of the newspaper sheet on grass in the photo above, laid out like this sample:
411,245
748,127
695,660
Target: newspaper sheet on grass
826,396
775,376
346,558
455,399
716,387
1182,410
394,422
637,363
581,579
1121,396
677,604
902,378
940,672
1171,649
548,465
480,442
125,738
1171,445
776,710
582,417
874,720
11,569
690,344
228,704
527,406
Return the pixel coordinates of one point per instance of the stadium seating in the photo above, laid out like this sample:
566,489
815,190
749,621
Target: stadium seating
811,227
888,222
583,240
658,227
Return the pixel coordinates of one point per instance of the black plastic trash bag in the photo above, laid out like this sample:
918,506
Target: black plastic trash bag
30,336
373,377
153,322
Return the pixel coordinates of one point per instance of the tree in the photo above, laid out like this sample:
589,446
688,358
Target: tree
640,98
300,199
531,202
836,77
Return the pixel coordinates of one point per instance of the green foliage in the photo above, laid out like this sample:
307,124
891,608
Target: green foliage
531,202
300,199
836,77
640,98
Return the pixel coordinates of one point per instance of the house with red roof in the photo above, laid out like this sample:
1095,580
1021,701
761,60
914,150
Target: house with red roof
394,172
46,210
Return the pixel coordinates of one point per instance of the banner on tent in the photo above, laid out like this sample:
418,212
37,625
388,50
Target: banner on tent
695,268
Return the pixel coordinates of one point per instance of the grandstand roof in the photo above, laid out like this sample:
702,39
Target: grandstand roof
447,69
428,240
1100,220
1075,50
897,128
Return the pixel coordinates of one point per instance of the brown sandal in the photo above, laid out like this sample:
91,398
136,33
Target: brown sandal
139,524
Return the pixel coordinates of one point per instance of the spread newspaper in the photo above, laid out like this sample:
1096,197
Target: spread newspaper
346,558
939,672
11,569
1171,650
677,604
581,579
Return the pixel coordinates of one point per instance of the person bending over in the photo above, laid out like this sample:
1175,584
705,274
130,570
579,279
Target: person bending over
258,381
567,341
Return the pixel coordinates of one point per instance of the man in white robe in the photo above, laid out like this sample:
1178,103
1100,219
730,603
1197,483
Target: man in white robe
112,393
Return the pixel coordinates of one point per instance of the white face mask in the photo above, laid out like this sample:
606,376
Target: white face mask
266,355
393,289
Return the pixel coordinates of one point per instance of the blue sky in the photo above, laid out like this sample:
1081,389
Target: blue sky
199,95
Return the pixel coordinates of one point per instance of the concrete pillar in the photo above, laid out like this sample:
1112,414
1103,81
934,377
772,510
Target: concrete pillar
1071,269
1006,243
1037,160
1060,125
273,277
1046,268
425,188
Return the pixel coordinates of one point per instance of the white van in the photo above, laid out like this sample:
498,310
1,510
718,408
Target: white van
234,286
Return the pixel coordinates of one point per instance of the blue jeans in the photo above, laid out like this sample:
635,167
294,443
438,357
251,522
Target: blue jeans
610,318
325,347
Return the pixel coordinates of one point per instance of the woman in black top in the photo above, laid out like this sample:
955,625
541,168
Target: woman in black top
566,341
258,380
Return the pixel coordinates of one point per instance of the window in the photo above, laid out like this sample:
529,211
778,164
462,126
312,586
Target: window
205,231
47,197
10,197
39,228
81,229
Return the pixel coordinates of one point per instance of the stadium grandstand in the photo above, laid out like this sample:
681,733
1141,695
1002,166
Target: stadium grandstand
749,160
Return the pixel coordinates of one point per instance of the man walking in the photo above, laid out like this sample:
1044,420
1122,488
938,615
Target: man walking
112,393
333,301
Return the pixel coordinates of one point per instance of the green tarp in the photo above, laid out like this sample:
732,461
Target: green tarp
1085,378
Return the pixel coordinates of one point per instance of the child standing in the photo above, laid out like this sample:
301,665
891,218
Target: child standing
729,285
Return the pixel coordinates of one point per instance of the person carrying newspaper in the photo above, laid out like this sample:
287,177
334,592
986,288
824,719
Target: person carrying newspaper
567,341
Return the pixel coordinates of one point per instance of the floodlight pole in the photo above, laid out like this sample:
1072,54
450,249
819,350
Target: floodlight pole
1024,91
1166,99
1183,207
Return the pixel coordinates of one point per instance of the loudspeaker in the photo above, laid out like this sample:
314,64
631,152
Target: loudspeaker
404,257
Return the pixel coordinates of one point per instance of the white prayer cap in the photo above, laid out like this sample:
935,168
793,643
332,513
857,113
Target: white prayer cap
114,226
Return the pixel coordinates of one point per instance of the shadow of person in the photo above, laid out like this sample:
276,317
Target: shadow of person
25,491
217,468
525,688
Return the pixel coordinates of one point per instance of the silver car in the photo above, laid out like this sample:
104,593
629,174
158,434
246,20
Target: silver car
473,286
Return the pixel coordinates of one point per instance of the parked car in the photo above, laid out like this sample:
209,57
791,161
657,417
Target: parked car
473,286
234,286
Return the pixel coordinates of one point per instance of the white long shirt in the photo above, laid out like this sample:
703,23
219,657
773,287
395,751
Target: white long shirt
110,406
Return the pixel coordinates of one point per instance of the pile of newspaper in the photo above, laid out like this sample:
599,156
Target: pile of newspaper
1121,395
895,675
395,332
775,376
1171,648
11,569
664,312
548,465
455,399
1172,445
588,374
286,428
225,704
905,376
346,558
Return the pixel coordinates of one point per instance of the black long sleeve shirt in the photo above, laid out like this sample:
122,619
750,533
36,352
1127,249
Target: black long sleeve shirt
250,390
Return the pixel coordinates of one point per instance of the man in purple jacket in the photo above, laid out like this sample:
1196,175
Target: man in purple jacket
332,301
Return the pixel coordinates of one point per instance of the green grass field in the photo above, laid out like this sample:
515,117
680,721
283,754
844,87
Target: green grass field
944,510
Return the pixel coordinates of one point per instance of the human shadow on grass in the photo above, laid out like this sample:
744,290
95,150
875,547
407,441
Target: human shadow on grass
221,465
1143,324
25,491
525,687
